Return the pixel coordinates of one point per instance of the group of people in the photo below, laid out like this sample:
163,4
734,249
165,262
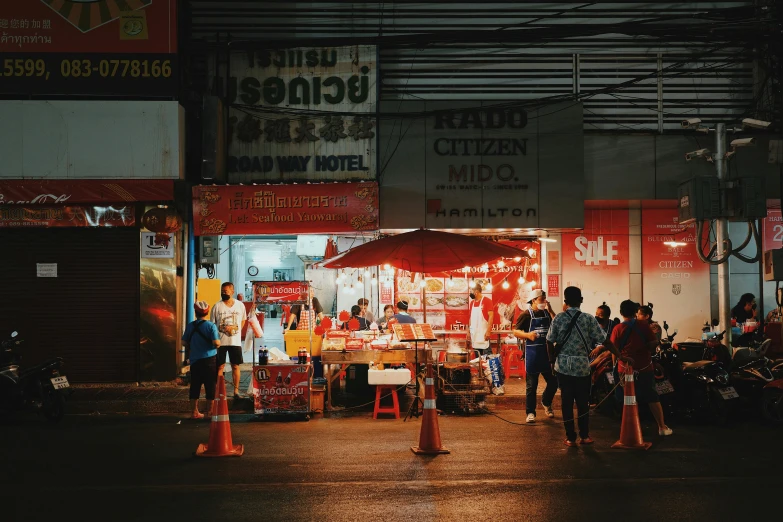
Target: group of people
208,342
558,347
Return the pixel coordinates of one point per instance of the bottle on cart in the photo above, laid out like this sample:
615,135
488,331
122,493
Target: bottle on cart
288,379
279,380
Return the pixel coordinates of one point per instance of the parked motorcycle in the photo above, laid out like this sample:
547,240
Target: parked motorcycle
772,402
702,388
603,384
40,388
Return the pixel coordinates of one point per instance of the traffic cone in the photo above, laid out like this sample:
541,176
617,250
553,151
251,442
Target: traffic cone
429,438
220,443
630,429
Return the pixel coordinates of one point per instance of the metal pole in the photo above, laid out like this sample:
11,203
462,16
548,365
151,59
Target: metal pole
724,297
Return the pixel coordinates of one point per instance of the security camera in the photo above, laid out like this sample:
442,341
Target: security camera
744,142
756,124
693,122
697,154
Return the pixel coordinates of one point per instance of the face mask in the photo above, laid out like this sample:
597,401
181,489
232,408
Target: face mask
542,306
225,297
472,295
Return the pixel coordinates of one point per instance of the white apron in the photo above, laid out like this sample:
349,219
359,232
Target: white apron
478,326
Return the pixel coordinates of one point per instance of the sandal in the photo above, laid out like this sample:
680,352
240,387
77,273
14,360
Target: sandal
197,416
586,440
570,443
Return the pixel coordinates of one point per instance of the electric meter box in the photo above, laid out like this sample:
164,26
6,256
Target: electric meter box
751,202
773,265
208,250
698,199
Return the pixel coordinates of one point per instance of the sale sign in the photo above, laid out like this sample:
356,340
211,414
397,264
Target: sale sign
281,388
597,259
674,280
285,209
280,292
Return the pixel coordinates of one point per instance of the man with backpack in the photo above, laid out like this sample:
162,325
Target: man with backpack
201,341
635,339
571,337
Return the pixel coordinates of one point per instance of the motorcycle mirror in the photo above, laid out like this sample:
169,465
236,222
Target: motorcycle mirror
14,334
715,322
665,325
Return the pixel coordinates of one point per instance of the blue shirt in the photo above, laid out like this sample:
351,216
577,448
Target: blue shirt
199,335
404,318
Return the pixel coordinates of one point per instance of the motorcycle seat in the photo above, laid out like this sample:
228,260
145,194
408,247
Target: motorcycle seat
695,365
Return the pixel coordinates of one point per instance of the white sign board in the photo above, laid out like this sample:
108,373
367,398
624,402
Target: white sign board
267,143
150,250
46,269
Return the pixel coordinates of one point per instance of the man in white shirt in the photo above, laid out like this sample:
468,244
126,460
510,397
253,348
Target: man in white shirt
229,315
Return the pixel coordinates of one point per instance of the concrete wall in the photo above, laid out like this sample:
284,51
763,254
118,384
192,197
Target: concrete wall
91,139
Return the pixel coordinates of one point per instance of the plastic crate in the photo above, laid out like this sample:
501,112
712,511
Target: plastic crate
389,376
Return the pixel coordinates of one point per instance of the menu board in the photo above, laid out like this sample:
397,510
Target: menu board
414,332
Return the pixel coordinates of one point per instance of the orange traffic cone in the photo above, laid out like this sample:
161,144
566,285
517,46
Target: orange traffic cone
220,443
630,430
429,438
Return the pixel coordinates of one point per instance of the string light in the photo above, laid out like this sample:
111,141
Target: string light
386,266
531,252
466,269
521,280
488,287
485,267
359,283
373,281
501,263
535,267
517,259
505,284
422,283
472,283
367,272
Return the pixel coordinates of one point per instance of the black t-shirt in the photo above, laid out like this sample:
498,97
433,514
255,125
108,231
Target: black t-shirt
523,321
739,313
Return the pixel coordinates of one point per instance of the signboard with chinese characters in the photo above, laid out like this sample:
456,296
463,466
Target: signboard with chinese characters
88,47
285,209
482,165
13,216
280,126
280,292
281,389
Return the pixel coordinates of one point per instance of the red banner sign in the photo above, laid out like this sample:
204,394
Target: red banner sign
88,47
673,277
285,209
61,192
281,388
280,291
12,216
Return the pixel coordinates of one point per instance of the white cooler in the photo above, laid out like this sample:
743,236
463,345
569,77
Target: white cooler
389,376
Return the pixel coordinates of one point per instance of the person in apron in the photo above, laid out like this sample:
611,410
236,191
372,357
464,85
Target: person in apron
481,316
533,326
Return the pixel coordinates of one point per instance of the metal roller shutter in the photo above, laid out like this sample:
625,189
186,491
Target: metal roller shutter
89,313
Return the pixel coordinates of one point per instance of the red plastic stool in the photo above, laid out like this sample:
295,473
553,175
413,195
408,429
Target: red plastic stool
379,391
513,363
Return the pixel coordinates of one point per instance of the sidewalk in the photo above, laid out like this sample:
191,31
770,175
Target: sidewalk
169,397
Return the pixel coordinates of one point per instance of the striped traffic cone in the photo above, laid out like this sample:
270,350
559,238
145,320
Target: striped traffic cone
630,429
220,443
429,438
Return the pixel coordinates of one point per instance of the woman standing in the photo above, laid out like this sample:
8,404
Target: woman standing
310,315
388,312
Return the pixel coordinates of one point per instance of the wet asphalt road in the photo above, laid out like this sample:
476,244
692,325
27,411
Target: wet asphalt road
116,468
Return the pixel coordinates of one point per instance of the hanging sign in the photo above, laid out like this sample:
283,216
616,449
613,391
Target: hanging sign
280,292
773,230
46,269
285,209
68,192
151,250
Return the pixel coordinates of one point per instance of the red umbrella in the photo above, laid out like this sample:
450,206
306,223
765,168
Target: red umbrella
424,251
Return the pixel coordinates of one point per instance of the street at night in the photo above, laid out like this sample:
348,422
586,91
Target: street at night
110,467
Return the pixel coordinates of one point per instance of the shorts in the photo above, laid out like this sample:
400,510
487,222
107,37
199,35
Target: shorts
203,372
645,388
234,355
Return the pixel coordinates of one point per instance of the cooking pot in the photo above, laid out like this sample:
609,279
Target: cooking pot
456,357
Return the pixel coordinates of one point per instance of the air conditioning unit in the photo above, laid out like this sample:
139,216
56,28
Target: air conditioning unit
311,249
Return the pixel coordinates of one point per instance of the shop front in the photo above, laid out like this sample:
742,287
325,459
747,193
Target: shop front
80,283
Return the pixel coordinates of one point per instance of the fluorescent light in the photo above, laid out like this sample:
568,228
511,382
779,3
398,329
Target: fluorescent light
675,244
547,240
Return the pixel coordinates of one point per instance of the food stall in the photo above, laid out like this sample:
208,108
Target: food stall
282,386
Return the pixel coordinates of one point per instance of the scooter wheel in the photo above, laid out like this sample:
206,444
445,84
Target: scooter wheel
53,405
772,406
718,407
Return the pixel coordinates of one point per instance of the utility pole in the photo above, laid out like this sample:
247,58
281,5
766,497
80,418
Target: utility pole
724,288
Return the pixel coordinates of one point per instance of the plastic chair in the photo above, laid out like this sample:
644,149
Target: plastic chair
513,362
